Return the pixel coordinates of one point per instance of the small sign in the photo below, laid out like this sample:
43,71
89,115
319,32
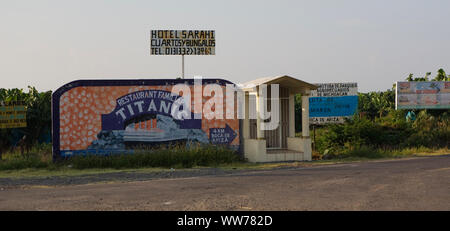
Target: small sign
182,42
222,135
334,89
13,115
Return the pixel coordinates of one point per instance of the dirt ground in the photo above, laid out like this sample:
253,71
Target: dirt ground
405,184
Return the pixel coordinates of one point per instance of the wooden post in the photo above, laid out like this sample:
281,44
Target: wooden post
314,138
182,66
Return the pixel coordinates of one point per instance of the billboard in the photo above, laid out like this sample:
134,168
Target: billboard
422,95
332,102
118,116
182,42
13,115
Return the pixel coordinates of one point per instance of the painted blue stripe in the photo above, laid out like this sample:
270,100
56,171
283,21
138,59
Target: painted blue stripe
333,106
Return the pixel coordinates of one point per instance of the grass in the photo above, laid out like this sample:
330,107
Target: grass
174,156
68,172
380,153
38,163
40,158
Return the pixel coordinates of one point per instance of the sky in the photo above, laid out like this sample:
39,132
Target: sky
374,43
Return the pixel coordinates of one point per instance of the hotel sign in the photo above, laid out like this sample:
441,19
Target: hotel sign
182,42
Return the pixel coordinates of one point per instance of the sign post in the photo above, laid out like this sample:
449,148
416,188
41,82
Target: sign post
314,137
182,66
182,42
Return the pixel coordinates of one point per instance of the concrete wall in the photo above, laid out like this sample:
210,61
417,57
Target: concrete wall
255,150
299,149
307,150
295,144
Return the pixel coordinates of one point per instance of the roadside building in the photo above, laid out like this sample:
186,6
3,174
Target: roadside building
279,144
119,116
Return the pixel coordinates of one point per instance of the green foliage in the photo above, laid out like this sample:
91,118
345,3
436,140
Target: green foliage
31,160
169,157
380,127
298,113
376,104
389,132
440,76
175,156
40,156
38,117
361,132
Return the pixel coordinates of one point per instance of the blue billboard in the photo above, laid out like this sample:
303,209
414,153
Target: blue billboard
333,106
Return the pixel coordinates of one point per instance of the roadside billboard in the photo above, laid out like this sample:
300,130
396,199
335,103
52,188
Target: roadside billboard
182,42
332,102
422,95
13,115
118,116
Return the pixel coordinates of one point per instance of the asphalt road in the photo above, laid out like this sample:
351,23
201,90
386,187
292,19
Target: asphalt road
405,184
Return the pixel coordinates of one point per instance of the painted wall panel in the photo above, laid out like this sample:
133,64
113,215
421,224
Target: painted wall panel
117,116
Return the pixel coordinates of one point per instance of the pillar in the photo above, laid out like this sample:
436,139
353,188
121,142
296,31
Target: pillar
259,121
305,115
291,115
246,125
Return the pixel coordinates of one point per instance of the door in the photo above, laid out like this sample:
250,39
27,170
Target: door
284,117
277,138
273,137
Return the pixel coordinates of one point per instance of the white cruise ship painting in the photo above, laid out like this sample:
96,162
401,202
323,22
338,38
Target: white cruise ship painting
159,129
148,130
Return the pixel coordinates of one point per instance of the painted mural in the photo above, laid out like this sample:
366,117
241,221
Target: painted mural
120,116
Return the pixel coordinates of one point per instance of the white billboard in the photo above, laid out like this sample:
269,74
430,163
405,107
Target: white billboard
422,95
335,89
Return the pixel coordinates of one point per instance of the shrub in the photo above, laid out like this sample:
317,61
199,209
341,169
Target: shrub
30,160
361,136
38,118
207,155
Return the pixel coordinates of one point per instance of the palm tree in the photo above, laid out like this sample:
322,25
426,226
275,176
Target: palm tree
441,76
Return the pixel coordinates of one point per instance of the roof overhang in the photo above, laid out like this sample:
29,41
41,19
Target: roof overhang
294,85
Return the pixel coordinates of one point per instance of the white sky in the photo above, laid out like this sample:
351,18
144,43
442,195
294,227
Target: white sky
375,43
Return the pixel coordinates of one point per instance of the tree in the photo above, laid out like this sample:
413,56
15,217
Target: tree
38,117
298,113
410,77
441,76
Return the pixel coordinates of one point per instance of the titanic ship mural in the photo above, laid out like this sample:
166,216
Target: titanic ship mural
120,116
144,119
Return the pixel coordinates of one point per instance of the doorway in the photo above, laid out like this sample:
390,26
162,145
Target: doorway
277,138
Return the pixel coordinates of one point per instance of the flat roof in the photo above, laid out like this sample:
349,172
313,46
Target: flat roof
285,81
